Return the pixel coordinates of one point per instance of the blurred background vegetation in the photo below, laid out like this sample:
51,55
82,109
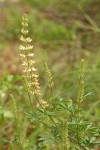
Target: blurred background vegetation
63,32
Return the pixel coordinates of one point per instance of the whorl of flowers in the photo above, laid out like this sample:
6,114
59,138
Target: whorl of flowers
81,82
64,135
14,106
26,52
49,75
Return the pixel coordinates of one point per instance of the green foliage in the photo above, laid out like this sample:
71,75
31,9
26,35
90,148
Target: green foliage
38,3
45,30
55,122
13,22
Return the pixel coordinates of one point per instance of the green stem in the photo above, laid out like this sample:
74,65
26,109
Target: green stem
74,141
46,112
30,101
12,146
51,91
17,128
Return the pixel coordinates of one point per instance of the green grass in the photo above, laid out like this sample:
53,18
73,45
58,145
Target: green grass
61,44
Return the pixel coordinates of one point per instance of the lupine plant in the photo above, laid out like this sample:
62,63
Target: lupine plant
61,122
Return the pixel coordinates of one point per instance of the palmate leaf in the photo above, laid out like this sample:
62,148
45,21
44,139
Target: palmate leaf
82,125
89,142
4,140
95,131
44,141
59,103
47,138
35,116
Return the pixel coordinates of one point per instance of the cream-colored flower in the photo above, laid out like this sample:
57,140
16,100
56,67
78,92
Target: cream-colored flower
28,63
43,103
24,31
29,47
30,55
23,39
22,55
